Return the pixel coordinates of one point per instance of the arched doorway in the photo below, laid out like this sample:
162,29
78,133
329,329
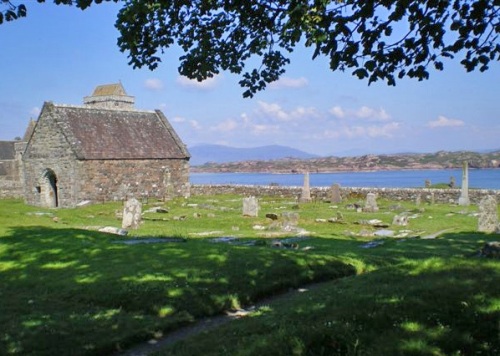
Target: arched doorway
48,189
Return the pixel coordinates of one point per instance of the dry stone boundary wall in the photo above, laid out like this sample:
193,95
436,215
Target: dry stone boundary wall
322,193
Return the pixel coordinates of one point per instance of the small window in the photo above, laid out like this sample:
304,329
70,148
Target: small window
38,189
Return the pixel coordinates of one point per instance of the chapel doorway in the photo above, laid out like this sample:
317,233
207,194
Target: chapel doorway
48,189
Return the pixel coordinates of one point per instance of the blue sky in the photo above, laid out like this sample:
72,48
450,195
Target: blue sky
60,53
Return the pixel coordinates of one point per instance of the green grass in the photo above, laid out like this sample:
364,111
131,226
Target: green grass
68,289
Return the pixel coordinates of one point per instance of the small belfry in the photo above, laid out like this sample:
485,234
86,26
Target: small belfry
110,96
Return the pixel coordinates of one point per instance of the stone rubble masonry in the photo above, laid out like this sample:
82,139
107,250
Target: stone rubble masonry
96,180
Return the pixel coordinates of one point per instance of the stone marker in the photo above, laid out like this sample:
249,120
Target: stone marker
250,206
335,196
488,216
113,230
132,214
371,203
400,220
305,195
464,193
418,199
290,221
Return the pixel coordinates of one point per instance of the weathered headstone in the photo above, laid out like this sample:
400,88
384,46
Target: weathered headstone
452,182
464,193
488,216
400,220
250,206
371,203
427,183
335,196
305,195
418,199
132,214
290,221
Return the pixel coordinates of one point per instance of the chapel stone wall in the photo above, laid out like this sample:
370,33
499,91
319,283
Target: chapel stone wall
49,153
114,180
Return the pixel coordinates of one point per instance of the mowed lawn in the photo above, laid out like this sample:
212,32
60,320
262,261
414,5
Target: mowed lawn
67,289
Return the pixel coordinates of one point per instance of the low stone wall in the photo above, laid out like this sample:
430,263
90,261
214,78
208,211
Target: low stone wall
322,193
10,189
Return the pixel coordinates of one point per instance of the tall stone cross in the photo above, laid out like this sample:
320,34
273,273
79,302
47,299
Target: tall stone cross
305,195
464,193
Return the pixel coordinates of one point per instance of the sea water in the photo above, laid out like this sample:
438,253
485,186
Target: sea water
478,178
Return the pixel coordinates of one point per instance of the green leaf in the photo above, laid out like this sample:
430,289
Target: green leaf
361,73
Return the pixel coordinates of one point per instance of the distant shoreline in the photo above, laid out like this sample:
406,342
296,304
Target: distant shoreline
196,170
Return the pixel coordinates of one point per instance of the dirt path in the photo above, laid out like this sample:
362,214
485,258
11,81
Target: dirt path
208,324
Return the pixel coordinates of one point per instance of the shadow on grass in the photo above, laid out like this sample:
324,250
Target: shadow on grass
70,291
445,304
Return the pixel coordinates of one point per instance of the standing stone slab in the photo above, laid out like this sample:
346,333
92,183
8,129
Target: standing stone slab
400,220
132,214
250,206
418,199
335,196
305,195
464,193
371,203
488,216
290,221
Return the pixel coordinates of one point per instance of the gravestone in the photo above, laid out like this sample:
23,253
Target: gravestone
464,193
488,216
132,214
250,206
452,182
371,203
418,199
400,220
305,195
290,221
335,196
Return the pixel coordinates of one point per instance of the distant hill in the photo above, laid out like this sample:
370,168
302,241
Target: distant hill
203,154
438,160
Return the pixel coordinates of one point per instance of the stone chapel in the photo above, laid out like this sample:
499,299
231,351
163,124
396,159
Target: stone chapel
101,151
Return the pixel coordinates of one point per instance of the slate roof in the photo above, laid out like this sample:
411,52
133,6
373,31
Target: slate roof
96,133
109,89
7,150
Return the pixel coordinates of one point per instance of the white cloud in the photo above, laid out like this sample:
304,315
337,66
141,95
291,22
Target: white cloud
225,126
260,129
363,113
207,84
178,119
338,112
154,84
195,125
302,112
286,82
276,112
354,132
372,114
273,110
35,111
443,121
